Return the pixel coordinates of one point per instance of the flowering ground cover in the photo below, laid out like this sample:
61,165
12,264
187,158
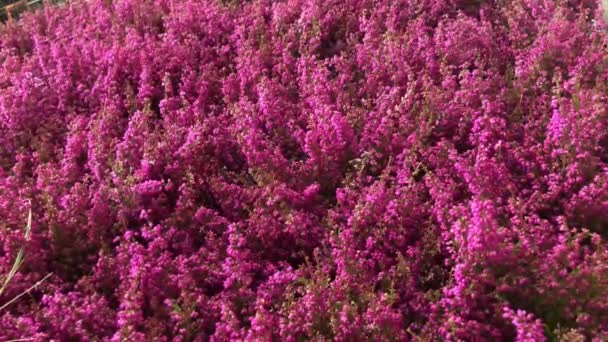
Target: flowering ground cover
425,170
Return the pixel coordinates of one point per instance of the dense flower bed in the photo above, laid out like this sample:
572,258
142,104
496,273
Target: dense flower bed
288,170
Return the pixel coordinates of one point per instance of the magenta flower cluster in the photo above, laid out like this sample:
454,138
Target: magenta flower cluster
386,170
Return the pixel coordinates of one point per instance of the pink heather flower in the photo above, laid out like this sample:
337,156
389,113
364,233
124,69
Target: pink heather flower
149,188
305,170
528,328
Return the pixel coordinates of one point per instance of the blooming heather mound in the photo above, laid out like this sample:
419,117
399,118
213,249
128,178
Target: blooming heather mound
431,170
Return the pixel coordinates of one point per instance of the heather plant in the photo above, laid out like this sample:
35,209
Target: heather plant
305,170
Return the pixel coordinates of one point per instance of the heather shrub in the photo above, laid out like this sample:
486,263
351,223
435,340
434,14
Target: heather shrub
306,170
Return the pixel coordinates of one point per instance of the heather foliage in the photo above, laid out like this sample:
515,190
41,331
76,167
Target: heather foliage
290,170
